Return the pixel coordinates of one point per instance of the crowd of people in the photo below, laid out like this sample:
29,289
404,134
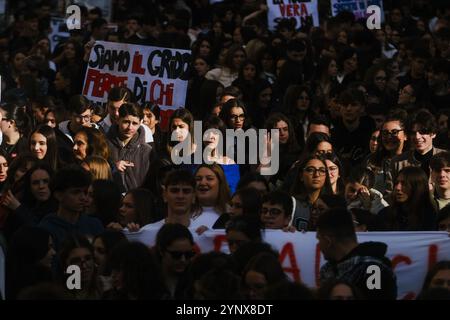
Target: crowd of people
363,119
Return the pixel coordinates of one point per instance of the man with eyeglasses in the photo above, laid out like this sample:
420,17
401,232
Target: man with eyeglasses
422,130
276,210
440,178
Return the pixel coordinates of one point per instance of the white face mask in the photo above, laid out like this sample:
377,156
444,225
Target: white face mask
181,133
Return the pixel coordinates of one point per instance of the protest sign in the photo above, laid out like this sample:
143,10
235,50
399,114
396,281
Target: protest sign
304,12
155,74
412,253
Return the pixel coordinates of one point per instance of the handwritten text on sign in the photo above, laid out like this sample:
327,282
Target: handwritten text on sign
153,74
412,253
303,12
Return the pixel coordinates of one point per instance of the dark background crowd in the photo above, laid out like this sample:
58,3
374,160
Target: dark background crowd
363,121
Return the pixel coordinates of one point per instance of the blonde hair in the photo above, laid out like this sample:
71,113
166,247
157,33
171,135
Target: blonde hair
99,168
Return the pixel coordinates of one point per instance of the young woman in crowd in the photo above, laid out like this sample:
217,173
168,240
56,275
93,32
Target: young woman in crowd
246,202
43,145
213,195
98,167
289,150
105,201
262,271
335,171
104,244
411,208
90,142
360,192
243,229
312,181
136,274
77,250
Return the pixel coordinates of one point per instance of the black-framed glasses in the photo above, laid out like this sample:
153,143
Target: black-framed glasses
312,171
271,211
392,133
176,255
236,117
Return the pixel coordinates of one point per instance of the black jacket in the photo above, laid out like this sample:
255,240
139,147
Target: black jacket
355,269
136,151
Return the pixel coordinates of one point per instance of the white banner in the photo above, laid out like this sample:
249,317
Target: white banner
411,253
302,11
358,7
153,74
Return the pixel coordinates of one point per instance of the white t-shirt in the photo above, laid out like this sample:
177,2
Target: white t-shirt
207,218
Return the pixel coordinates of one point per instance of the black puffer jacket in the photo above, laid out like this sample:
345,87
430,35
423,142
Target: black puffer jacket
136,151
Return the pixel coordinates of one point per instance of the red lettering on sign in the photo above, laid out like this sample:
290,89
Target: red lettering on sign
165,116
137,64
407,260
161,93
102,82
304,10
218,241
288,251
317,265
432,255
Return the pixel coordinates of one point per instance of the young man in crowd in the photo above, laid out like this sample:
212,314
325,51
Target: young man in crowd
351,261
422,129
276,210
70,187
129,152
440,178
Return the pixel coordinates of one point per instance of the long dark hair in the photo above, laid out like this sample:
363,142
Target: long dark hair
28,197
418,204
51,156
274,118
298,189
20,117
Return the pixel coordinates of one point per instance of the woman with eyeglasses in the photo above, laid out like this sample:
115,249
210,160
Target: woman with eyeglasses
376,79
235,116
174,248
410,208
312,182
77,250
392,140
